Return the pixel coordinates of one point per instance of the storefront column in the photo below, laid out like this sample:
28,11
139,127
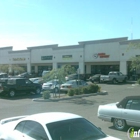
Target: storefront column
54,65
28,67
81,67
36,69
123,67
88,69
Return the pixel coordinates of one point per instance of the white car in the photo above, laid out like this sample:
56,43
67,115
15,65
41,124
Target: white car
50,126
72,84
52,85
122,114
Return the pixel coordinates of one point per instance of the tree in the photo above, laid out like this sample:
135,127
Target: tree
135,61
14,68
59,73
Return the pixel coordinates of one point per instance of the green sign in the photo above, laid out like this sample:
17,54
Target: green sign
47,57
67,57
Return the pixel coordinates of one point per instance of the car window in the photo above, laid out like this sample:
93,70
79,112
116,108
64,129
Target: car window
128,104
11,82
35,130
20,126
74,129
133,104
28,81
70,82
20,81
78,83
83,83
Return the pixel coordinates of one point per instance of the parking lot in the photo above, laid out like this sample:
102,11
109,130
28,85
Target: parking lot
87,106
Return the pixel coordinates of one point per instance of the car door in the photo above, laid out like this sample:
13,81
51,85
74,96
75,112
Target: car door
29,85
121,77
131,113
20,85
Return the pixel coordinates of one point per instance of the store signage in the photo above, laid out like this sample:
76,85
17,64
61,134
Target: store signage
47,57
100,55
66,57
19,59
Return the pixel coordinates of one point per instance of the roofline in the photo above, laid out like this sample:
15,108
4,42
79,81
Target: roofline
21,51
8,47
68,47
104,40
43,46
130,41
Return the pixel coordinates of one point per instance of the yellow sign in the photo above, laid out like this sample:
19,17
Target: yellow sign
18,59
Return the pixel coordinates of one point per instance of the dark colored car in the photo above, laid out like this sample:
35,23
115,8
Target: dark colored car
26,75
14,86
95,78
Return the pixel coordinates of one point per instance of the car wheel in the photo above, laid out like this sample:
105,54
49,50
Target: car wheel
124,80
119,124
56,90
38,90
114,81
12,93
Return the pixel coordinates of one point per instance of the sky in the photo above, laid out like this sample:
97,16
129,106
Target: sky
27,23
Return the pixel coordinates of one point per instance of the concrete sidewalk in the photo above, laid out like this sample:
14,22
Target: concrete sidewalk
59,97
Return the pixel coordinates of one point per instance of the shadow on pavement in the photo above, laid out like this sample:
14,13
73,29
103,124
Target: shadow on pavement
22,96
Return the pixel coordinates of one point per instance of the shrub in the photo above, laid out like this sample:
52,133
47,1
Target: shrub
77,91
93,88
71,92
84,90
46,94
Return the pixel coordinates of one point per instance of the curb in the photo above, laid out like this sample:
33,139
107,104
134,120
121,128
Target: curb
68,98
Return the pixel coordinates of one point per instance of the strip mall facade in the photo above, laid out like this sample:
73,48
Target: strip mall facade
91,57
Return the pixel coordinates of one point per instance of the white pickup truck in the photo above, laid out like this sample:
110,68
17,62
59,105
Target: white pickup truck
114,77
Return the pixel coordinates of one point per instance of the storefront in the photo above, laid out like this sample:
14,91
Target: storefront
90,57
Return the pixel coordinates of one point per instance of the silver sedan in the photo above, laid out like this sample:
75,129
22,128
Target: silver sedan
122,114
72,84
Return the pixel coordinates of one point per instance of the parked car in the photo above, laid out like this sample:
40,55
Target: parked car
38,80
122,114
45,72
75,76
114,77
25,75
50,126
14,86
52,85
95,78
72,84
3,75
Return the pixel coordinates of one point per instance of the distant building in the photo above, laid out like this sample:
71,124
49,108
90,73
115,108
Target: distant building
91,57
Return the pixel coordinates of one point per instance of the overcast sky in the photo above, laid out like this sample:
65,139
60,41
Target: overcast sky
26,23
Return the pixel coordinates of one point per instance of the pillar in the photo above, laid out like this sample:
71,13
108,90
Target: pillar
28,67
82,67
123,67
54,65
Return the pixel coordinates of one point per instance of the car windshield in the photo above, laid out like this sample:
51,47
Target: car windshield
74,129
52,82
69,82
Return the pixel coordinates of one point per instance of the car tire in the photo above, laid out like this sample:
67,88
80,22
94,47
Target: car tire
124,80
12,93
119,124
114,81
38,90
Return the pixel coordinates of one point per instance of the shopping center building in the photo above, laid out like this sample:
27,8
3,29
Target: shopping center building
91,57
